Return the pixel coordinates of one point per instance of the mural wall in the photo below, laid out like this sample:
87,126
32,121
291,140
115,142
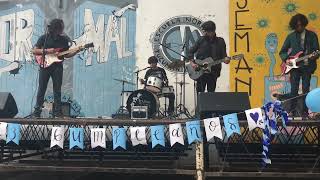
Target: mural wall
258,29
88,77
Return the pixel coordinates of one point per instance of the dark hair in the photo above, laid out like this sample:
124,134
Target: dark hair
208,26
152,59
296,18
56,26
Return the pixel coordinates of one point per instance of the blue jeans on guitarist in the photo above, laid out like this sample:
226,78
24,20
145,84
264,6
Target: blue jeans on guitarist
55,71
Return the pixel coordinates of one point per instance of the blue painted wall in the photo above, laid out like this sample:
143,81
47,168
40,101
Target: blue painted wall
94,86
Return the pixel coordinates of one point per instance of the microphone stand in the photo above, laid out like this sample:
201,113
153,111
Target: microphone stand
137,75
44,47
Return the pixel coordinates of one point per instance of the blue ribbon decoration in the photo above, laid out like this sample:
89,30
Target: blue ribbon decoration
272,110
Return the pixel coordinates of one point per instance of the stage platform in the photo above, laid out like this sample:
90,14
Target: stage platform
295,151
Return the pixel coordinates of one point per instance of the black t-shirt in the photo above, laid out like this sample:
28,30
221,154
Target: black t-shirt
206,47
158,72
59,41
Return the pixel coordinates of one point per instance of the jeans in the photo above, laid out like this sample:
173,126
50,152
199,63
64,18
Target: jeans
208,80
55,71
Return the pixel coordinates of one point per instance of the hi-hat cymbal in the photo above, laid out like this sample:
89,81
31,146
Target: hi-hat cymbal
125,81
181,82
176,64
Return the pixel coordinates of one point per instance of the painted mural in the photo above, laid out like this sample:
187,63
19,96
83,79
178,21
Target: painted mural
89,77
20,29
112,30
258,29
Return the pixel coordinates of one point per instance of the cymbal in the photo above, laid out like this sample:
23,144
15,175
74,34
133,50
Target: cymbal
181,82
125,81
176,64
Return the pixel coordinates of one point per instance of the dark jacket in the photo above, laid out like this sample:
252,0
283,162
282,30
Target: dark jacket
311,44
205,47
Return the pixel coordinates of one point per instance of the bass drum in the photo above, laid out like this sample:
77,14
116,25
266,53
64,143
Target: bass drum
144,97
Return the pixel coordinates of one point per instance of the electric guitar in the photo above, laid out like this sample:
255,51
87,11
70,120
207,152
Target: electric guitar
285,68
204,66
53,58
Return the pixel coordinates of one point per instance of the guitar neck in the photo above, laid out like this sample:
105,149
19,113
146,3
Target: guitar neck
69,51
217,62
302,58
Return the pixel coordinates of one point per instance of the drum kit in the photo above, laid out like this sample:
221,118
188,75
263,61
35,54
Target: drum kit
153,90
148,96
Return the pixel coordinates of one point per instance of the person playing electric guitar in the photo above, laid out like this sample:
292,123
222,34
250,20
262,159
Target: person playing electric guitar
306,41
47,44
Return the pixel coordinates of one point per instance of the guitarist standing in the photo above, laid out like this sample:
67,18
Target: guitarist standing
48,44
206,46
306,41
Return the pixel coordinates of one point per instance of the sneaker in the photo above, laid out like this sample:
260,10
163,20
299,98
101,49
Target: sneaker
36,113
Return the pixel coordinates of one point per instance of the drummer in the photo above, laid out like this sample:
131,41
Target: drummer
160,73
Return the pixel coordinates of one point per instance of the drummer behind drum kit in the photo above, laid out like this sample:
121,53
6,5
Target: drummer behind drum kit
143,103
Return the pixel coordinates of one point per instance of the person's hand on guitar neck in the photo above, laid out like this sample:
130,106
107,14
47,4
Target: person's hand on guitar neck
193,64
226,60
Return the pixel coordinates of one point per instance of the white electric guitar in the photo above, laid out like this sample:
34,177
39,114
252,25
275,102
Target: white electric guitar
53,58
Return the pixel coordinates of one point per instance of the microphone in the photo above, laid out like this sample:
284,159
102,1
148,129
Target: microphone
145,68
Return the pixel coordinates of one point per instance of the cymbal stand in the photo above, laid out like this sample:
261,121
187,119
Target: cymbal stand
181,107
122,108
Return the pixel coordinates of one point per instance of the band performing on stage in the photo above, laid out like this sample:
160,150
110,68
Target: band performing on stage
202,63
205,89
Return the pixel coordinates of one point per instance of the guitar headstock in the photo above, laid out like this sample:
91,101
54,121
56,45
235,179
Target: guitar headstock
315,53
237,57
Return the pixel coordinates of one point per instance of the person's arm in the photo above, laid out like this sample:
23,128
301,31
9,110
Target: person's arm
165,78
143,81
37,50
69,55
284,50
315,46
66,47
193,50
224,51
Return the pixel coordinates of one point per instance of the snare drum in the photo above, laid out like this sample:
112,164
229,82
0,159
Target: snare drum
154,84
167,90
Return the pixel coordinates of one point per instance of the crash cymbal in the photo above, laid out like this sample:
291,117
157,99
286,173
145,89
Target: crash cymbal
125,81
176,64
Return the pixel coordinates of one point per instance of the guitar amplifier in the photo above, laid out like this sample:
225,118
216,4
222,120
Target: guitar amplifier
139,112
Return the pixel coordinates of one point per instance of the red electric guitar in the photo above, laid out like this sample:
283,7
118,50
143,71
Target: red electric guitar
285,68
52,58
